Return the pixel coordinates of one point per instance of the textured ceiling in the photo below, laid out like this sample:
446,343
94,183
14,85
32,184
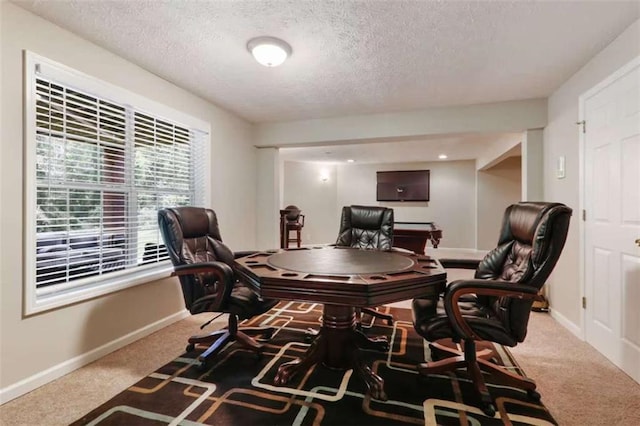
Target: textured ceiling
350,57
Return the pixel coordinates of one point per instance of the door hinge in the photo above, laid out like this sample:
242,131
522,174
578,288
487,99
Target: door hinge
582,123
584,303
584,215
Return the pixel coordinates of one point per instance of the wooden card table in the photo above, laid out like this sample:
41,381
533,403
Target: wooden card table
342,279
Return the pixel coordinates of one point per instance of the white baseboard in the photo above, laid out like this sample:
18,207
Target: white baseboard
563,321
30,383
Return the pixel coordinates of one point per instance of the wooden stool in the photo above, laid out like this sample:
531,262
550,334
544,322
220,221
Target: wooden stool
297,238
290,220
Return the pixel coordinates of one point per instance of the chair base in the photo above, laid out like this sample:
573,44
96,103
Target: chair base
377,314
475,363
447,348
219,339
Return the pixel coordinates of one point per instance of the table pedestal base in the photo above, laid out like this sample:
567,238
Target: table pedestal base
338,346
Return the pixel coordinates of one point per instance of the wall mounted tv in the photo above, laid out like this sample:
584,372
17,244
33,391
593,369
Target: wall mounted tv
403,185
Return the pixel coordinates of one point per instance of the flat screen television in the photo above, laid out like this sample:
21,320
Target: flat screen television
403,185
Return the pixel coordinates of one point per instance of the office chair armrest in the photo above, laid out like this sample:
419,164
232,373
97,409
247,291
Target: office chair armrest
223,276
460,263
459,288
243,253
402,250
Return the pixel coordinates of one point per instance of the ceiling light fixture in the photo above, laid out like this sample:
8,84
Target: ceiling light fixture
269,51
442,156
351,161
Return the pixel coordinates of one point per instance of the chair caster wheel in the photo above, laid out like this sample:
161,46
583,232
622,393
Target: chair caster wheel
266,336
310,335
489,410
190,347
534,395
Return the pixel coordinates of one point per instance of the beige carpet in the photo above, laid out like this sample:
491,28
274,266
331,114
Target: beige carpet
578,385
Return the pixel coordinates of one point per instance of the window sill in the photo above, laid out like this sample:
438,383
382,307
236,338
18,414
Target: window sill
51,298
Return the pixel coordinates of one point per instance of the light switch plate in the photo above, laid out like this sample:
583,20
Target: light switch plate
560,167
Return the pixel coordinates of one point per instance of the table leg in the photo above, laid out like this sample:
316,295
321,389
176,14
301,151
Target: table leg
377,343
314,354
338,347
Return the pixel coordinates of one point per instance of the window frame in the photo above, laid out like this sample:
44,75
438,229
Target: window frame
59,295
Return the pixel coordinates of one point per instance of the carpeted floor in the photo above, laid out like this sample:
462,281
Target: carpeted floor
238,387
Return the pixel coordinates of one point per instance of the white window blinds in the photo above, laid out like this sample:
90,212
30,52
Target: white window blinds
103,168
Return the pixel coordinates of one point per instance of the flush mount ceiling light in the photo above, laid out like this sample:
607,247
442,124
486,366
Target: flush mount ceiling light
442,156
269,51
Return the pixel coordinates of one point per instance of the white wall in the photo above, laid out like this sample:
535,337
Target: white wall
499,150
498,187
532,165
452,203
316,198
561,137
499,117
51,343
268,198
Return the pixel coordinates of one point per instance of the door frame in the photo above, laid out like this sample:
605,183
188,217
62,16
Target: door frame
619,73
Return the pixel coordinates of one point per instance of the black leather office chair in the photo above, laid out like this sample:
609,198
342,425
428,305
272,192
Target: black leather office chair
367,227
496,304
203,264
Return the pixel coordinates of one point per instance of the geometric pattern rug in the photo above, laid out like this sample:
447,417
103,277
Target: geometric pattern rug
238,389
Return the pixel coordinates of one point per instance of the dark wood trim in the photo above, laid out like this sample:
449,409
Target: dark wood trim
426,277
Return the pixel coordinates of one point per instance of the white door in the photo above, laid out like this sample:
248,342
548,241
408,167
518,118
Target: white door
611,198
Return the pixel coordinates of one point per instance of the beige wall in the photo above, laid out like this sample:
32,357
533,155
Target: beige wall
269,195
503,147
55,339
499,117
316,198
452,203
561,137
498,187
532,165
349,184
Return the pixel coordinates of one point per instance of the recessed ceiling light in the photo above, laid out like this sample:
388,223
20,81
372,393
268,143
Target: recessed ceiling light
442,156
269,51
351,160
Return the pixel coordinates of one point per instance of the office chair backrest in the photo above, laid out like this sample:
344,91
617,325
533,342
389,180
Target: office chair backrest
531,240
366,227
191,235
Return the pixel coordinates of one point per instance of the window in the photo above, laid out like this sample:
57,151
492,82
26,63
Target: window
101,161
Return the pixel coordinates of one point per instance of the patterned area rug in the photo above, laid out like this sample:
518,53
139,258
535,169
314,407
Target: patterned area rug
238,387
